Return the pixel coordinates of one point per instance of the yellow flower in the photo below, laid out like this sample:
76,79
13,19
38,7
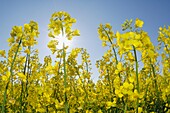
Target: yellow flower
2,53
118,93
11,40
126,85
140,109
62,22
6,77
99,111
27,51
108,26
110,104
119,68
118,36
49,69
51,35
59,105
160,28
139,23
130,57
104,43
22,77
52,45
131,79
76,32
27,27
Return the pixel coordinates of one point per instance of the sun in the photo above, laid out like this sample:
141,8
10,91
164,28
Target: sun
63,39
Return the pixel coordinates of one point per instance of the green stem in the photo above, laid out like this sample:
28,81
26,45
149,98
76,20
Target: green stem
28,72
111,44
11,77
125,108
65,81
137,79
115,55
156,88
12,65
22,90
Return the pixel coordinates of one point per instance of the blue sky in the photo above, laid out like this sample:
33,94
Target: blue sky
89,14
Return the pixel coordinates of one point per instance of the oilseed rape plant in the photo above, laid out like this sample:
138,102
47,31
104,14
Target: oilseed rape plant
134,74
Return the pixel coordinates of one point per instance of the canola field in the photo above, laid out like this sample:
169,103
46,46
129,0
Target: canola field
134,74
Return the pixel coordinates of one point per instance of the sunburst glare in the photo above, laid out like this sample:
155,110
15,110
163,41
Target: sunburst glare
62,38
